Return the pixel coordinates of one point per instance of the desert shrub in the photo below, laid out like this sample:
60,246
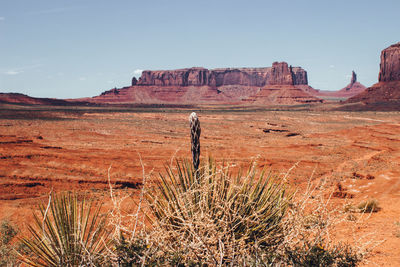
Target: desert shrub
307,239
130,253
311,254
210,217
218,218
66,232
370,205
138,251
367,206
8,256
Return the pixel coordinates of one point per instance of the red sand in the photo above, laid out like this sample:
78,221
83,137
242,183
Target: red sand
54,149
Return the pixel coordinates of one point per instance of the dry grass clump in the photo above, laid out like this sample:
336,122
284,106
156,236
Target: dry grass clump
370,205
367,206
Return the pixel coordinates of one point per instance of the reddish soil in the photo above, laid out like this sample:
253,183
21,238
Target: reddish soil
44,149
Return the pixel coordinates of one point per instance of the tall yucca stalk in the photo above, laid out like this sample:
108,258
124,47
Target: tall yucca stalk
240,209
195,131
67,232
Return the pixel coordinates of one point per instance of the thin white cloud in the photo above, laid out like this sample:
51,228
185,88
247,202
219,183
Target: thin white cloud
2,18
82,78
137,72
53,10
12,72
331,66
35,66
19,70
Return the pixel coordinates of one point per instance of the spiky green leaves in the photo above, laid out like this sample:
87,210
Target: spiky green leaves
67,232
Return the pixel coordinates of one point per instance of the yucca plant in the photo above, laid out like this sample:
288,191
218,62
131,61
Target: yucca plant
219,211
66,232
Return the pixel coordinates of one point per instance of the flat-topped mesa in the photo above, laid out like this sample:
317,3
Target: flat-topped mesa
279,74
390,64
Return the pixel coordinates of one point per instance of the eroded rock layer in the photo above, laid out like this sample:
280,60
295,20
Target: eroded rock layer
390,64
278,84
279,73
387,90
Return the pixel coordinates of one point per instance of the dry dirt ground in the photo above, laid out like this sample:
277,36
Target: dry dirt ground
52,148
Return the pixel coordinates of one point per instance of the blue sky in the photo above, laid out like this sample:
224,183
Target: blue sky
79,48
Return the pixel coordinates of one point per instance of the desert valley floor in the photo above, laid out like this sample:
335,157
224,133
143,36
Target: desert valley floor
72,148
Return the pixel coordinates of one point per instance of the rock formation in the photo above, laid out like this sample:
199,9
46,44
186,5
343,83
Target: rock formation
352,89
390,64
387,90
225,85
279,73
353,78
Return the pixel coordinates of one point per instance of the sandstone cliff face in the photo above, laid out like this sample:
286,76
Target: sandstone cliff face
387,90
278,84
390,64
279,73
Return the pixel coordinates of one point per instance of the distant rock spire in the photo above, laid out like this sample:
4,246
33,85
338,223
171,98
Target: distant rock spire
353,77
134,81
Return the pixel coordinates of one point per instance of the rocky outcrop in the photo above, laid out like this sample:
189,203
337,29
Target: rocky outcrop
352,89
353,78
282,95
278,84
279,73
390,64
387,91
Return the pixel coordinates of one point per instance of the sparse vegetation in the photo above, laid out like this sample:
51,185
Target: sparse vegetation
367,206
8,256
370,205
241,220
67,232
397,231
195,214
219,218
317,255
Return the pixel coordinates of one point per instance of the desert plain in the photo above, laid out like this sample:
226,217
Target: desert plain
356,155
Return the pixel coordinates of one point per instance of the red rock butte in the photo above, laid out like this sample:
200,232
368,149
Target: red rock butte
279,84
387,90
